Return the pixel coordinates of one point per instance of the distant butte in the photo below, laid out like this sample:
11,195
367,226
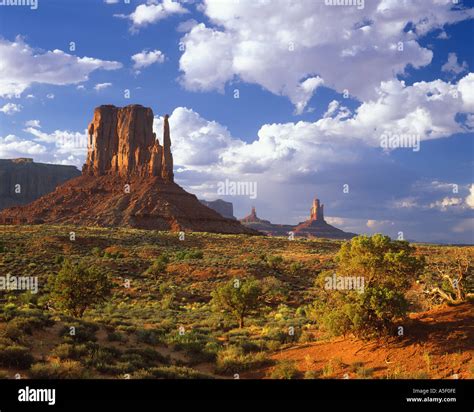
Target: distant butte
127,181
315,226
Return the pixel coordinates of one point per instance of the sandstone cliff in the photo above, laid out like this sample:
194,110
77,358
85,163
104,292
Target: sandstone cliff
22,180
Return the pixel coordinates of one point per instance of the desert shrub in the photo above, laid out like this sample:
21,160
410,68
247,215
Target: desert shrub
194,344
57,370
15,356
78,287
296,267
10,310
285,369
189,254
239,298
387,269
306,336
312,374
275,290
96,251
116,336
150,336
234,360
274,261
158,267
148,355
25,325
70,351
449,275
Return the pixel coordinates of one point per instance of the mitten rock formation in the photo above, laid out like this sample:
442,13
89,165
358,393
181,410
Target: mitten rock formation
127,181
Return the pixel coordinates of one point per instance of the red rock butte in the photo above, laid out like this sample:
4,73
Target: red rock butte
127,181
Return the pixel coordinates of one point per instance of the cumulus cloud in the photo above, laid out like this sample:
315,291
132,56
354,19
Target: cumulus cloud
153,12
147,58
11,108
452,66
427,110
22,66
12,146
470,197
351,50
64,146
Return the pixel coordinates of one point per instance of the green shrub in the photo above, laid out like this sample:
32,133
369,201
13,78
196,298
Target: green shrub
159,266
285,370
57,370
78,287
70,351
189,254
387,269
274,261
238,297
234,360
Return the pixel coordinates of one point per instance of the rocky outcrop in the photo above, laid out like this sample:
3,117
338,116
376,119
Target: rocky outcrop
121,141
222,207
315,226
127,181
22,180
265,226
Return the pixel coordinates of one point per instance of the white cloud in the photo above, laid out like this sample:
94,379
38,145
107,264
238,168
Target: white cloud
446,203
12,146
11,108
466,87
347,48
147,58
22,66
284,151
102,86
33,123
153,12
111,1
452,66
187,25
470,197
379,224
50,96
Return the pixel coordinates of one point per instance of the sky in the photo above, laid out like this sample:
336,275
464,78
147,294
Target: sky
367,105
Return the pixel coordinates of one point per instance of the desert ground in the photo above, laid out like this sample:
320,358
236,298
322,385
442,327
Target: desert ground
159,321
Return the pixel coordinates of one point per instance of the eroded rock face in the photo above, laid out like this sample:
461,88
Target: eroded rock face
121,142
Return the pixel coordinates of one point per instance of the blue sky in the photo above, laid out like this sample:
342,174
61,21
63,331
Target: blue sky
293,129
